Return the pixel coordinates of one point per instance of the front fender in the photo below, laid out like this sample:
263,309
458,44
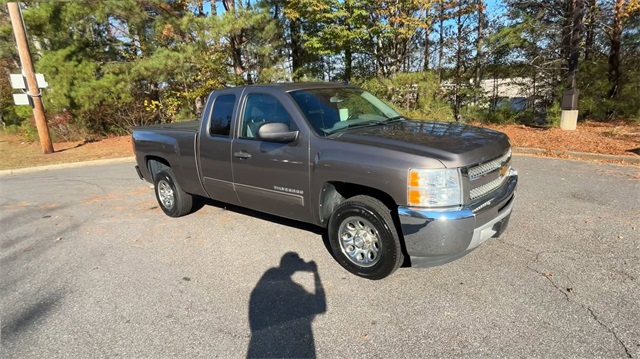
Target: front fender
378,169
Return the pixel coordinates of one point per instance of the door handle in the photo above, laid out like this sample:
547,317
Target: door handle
242,155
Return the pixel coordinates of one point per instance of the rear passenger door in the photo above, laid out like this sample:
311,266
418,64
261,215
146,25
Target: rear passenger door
215,146
271,177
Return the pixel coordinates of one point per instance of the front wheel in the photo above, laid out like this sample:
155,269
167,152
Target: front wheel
172,199
364,238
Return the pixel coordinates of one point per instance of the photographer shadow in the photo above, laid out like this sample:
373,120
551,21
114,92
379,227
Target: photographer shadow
281,311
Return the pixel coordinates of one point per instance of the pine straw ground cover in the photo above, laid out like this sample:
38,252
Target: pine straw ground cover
17,153
619,138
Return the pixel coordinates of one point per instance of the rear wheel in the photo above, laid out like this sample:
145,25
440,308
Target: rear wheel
364,238
172,199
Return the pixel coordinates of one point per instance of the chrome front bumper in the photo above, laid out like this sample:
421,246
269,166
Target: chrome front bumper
435,237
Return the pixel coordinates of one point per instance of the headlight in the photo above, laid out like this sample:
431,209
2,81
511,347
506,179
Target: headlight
434,188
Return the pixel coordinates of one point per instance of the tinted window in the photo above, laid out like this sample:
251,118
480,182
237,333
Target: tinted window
221,115
260,109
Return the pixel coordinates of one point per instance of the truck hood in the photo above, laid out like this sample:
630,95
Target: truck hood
453,144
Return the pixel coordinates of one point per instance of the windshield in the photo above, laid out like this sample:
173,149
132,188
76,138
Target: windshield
331,110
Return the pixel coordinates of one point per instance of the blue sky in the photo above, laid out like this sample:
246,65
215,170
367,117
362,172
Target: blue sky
494,7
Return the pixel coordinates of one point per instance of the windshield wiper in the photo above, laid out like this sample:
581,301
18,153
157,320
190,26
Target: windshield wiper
394,118
367,123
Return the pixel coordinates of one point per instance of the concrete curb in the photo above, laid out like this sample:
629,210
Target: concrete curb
67,165
579,155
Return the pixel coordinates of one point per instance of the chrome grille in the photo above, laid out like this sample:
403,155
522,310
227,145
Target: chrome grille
480,207
488,167
486,188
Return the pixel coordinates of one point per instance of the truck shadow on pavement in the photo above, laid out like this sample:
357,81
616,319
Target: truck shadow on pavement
281,311
200,202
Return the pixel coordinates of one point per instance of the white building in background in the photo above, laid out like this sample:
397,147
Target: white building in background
508,88
511,92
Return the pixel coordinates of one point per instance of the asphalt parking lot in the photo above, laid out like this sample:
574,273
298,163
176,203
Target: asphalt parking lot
91,267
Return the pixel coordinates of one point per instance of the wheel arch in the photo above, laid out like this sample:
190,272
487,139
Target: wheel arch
334,192
156,164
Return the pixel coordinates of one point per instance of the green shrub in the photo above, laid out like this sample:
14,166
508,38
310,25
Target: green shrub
553,114
18,122
500,116
473,113
594,100
29,131
12,130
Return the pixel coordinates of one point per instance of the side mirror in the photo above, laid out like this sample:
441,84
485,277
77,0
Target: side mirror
276,132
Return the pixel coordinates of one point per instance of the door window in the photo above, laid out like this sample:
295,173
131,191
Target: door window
221,115
260,109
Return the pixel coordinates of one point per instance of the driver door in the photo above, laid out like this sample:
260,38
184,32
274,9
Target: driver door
268,176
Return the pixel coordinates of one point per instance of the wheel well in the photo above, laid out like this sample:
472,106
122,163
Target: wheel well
155,165
334,193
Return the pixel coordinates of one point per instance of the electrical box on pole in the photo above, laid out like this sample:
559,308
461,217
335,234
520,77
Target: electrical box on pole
18,82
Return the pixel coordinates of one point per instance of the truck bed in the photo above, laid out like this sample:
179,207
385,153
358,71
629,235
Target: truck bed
187,126
173,143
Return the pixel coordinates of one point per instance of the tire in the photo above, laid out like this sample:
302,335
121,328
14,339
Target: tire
364,238
171,198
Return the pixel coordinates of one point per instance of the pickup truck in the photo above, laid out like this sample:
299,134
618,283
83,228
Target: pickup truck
388,190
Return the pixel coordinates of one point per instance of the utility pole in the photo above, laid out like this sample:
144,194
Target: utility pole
27,68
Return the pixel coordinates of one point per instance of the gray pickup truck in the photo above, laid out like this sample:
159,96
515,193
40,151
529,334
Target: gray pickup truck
387,189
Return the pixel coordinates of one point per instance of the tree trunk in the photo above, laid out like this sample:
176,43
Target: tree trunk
567,30
348,60
236,54
380,59
235,42
441,43
200,6
574,48
479,49
457,99
427,32
494,93
297,53
614,52
591,29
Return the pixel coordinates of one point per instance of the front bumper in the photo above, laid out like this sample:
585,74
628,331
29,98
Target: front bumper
435,237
